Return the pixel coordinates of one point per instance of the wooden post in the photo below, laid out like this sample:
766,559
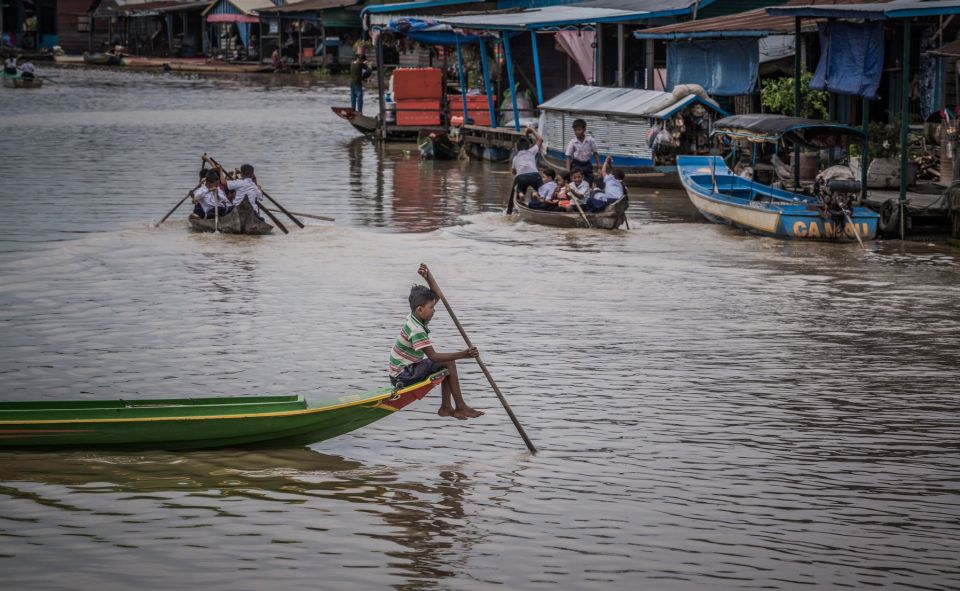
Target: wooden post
797,98
648,56
904,124
536,66
620,56
381,87
865,152
486,83
599,74
463,80
513,87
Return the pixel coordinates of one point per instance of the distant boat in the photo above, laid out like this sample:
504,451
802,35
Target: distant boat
435,144
240,220
358,120
624,123
725,198
197,423
102,59
21,82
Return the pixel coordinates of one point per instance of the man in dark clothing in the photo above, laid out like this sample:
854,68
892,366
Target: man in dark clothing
359,71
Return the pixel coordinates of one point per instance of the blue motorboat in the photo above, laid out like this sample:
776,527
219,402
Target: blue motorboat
725,198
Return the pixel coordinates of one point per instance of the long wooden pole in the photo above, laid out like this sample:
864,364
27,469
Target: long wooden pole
274,218
179,203
425,272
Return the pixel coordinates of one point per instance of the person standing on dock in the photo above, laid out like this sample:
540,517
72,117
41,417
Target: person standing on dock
525,162
581,151
359,71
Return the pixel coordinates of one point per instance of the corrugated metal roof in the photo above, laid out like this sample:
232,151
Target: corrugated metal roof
311,6
757,21
619,101
870,11
585,13
408,6
247,7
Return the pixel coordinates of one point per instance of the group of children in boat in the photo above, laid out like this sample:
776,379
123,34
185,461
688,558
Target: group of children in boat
574,188
218,195
25,68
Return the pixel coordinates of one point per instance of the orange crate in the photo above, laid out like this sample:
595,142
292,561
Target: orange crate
418,112
417,83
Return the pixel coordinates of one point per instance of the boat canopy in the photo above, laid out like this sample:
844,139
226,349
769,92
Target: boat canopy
630,102
812,133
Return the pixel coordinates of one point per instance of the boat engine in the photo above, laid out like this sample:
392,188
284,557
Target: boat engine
837,190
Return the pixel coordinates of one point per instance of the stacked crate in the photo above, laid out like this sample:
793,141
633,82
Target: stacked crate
417,93
477,107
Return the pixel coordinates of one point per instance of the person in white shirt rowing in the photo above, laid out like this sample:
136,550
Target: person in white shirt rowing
525,162
209,196
246,188
27,69
612,189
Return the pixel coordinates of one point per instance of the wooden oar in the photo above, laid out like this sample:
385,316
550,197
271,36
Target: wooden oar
179,203
580,209
280,207
853,226
425,272
316,217
272,200
273,218
512,197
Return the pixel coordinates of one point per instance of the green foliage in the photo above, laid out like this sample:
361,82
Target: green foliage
777,96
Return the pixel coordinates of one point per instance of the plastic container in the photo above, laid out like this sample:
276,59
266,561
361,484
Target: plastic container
417,83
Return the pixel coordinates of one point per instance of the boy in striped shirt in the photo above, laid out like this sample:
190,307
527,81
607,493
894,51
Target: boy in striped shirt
413,357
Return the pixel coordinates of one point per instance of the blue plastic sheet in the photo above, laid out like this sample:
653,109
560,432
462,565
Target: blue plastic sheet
726,67
851,58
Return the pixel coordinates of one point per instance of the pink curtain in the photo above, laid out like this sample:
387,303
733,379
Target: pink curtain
579,46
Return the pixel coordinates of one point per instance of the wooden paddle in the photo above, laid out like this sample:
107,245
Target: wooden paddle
512,197
272,200
316,217
853,226
580,209
273,218
425,273
179,203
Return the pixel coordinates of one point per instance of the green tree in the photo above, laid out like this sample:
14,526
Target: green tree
777,96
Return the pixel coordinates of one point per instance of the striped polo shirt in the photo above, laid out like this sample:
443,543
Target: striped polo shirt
414,338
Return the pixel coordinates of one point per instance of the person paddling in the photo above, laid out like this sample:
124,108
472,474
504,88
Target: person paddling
413,357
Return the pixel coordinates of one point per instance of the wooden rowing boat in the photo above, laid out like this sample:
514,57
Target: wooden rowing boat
20,82
197,423
359,121
611,218
102,59
240,220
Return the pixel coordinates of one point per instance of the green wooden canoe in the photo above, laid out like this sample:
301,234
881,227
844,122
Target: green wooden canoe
196,423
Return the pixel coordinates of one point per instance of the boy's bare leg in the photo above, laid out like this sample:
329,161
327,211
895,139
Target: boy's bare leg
446,408
462,410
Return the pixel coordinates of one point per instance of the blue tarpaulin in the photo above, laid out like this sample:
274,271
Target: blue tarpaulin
428,32
725,67
851,58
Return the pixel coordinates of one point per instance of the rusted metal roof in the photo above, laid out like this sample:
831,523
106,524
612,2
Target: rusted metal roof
753,23
311,6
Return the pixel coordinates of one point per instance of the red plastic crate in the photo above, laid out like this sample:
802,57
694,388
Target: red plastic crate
418,112
417,83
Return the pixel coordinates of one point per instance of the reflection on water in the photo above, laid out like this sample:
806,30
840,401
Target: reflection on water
714,410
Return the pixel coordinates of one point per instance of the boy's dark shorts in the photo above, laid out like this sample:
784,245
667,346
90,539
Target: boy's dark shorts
415,372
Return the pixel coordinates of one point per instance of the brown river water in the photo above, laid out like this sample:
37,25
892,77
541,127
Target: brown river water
714,410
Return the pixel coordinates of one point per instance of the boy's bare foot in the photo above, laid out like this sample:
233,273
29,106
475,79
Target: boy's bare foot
470,413
446,411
